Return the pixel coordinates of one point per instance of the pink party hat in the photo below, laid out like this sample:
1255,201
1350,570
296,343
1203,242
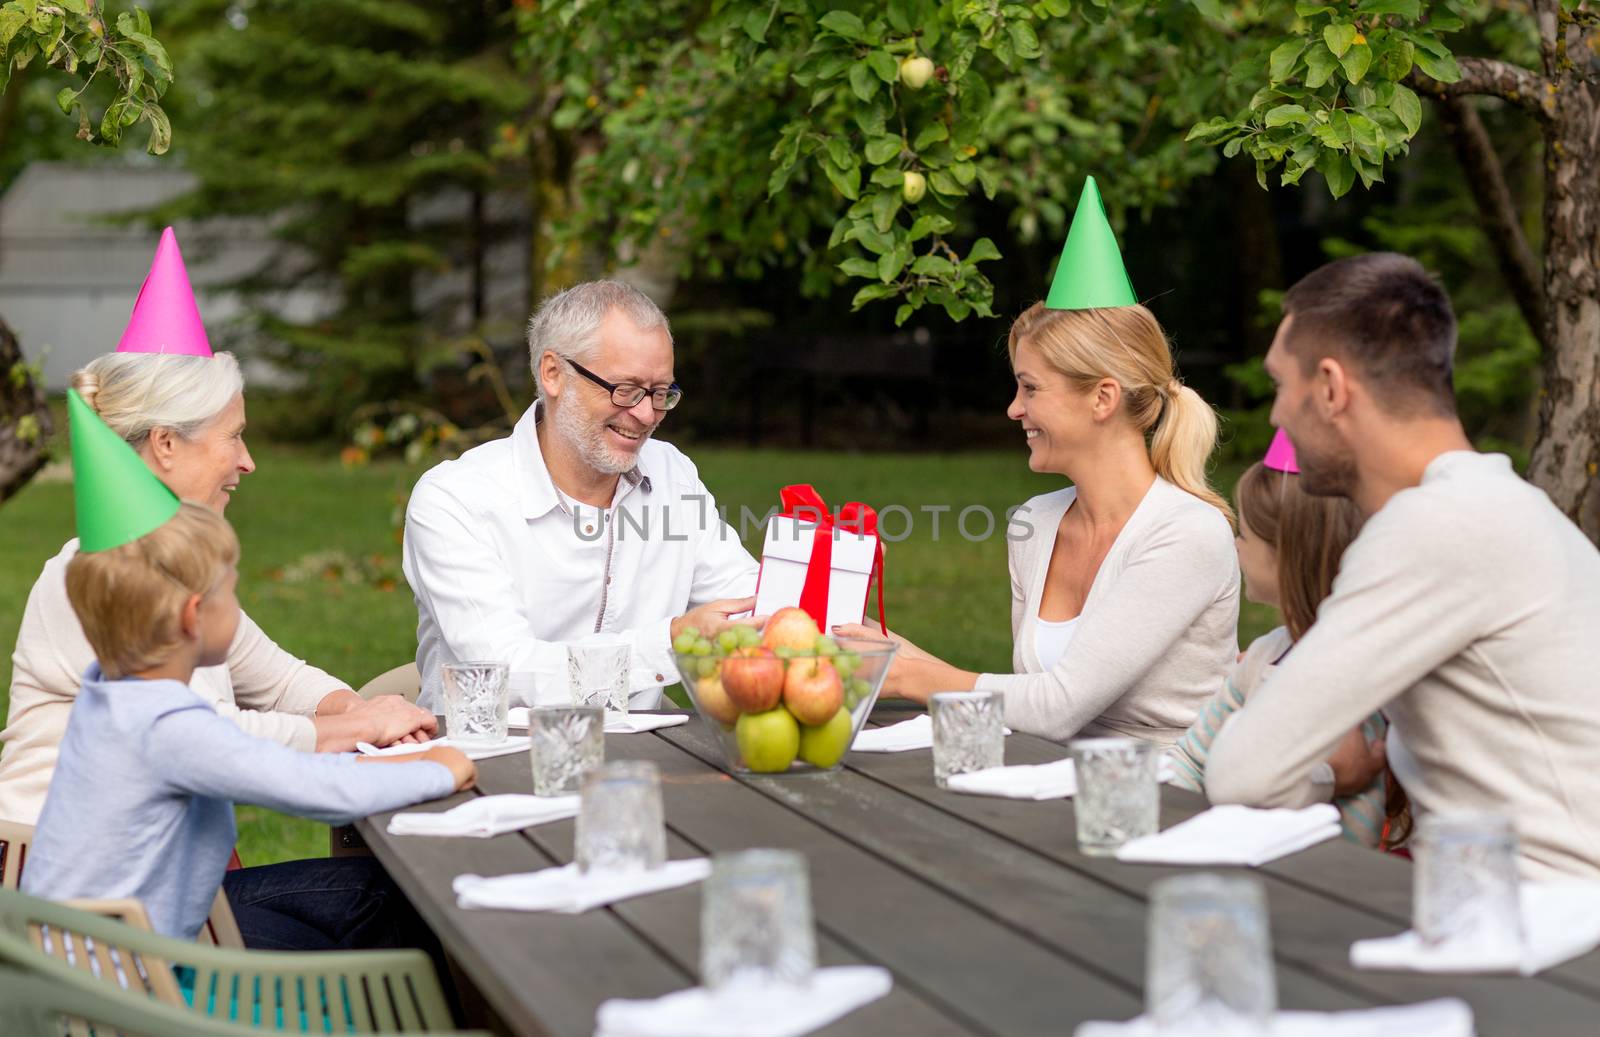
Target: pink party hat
165,318
1280,455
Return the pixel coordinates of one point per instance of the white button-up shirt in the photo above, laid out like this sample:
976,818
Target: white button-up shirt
506,568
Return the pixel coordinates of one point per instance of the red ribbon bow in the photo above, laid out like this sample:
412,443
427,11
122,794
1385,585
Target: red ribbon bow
804,503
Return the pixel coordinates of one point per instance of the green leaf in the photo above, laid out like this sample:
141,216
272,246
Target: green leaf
1444,69
1337,171
1338,38
1212,131
1056,8
944,183
931,223
931,134
1320,64
1308,10
981,249
1411,10
1407,108
882,149
755,25
905,311
870,292
845,24
888,176
884,64
65,99
1285,57
892,262
884,205
160,130
933,266
1024,40
848,181
1356,61
863,82
839,153
855,266
1286,115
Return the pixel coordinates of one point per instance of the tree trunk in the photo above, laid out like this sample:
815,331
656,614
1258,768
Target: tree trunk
1566,455
24,418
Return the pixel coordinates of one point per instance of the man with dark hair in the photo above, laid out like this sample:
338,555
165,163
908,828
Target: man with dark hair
1461,608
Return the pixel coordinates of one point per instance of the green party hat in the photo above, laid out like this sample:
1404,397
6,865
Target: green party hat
1090,273
118,498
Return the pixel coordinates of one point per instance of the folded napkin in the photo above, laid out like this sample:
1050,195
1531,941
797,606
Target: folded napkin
916,733
1445,1017
484,816
1032,781
513,744
1560,921
616,723
1235,835
765,1011
571,891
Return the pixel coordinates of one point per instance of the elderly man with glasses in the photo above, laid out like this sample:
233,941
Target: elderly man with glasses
579,525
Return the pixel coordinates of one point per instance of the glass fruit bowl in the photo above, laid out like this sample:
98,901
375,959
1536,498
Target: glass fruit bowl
786,700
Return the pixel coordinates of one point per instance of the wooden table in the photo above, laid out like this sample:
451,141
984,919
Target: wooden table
984,910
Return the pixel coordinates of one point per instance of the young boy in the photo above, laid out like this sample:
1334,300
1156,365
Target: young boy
141,804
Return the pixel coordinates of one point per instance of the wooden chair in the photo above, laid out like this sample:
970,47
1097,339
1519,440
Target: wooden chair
405,681
221,929
323,992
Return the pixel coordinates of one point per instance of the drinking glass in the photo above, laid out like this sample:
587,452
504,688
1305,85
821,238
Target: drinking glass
1118,796
1464,884
620,824
567,742
598,673
475,702
1208,957
967,733
755,920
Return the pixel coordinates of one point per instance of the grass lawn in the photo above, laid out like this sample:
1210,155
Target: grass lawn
321,566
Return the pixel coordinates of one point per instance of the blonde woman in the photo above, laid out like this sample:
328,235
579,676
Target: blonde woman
1124,585
185,417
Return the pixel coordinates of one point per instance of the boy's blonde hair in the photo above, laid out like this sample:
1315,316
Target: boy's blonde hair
129,599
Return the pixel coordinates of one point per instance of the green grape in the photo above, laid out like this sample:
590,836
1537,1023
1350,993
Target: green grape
728,640
684,643
862,686
701,647
846,663
851,699
827,646
749,636
693,632
707,666
784,652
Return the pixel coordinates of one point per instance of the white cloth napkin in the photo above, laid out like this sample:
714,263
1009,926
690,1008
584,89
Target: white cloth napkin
1235,835
765,1011
512,744
485,816
571,891
1056,780
1560,921
616,723
916,733
1445,1017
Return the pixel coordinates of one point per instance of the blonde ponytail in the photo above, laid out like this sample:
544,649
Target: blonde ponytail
1126,344
1181,444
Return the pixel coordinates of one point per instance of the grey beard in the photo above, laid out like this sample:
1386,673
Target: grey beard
589,440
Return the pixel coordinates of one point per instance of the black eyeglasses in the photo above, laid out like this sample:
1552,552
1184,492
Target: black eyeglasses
626,396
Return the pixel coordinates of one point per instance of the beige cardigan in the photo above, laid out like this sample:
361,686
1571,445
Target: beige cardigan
1468,610
1158,631
265,690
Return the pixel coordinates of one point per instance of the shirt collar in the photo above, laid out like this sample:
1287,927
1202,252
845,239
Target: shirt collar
536,489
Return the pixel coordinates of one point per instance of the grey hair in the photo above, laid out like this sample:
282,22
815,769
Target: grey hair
568,324
138,392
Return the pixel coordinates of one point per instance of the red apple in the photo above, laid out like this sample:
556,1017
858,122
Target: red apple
791,628
812,691
714,701
753,679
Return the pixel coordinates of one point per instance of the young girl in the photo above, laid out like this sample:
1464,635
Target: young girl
1289,546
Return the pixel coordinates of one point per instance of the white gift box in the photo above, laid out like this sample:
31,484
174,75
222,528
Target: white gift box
786,558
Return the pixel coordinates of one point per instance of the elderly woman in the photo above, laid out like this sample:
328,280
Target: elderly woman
185,417
1124,585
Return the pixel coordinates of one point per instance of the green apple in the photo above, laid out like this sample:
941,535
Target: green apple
824,745
915,72
768,741
914,186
